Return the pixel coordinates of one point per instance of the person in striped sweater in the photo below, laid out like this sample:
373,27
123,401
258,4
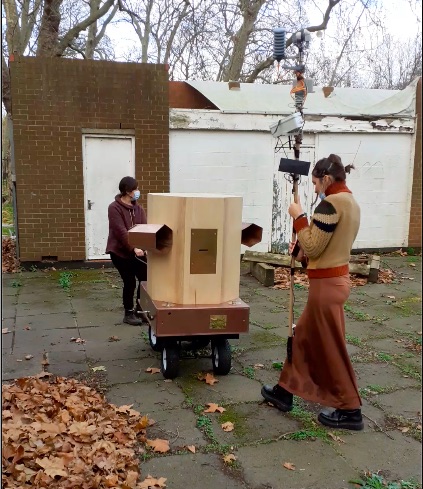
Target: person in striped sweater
321,369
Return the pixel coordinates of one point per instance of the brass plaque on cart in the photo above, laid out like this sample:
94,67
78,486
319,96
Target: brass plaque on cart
203,251
218,321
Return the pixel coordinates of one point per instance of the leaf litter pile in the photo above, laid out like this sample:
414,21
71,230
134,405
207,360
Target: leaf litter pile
59,433
9,262
283,278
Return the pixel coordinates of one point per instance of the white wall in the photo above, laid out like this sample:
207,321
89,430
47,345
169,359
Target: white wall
228,162
381,183
234,154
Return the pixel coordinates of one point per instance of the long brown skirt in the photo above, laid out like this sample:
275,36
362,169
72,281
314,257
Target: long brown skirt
321,369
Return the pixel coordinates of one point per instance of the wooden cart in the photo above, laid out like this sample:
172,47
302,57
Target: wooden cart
192,290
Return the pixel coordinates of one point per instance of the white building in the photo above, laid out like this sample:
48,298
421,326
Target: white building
229,149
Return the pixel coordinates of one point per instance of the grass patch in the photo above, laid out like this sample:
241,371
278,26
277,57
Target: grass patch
65,280
311,429
376,481
357,315
249,372
204,424
406,306
7,214
353,340
240,428
384,357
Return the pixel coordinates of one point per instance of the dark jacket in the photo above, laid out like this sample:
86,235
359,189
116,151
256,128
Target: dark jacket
121,218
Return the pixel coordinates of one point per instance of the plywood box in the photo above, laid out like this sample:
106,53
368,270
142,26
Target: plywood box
203,264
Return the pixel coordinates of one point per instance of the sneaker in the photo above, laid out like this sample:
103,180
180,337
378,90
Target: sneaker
131,319
278,396
347,419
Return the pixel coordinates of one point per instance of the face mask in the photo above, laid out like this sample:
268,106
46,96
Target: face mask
137,195
322,195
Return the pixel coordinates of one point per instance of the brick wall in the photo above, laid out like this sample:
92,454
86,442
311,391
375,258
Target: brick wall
415,229
53,99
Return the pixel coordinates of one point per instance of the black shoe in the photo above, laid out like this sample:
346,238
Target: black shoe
347,419
278,396
131,319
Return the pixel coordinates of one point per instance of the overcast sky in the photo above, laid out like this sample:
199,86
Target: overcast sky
403,20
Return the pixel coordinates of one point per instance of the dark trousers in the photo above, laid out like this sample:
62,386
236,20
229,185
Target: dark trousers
130,269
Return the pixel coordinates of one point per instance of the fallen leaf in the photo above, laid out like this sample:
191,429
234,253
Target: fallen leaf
52,466
289,466
158,445
210,379
228,426
412,264
391,297
114,338
100,368
191,448
336,438
404,429
229,458
258,365
5,330
77,340
212,408
153,370
152,483
28,357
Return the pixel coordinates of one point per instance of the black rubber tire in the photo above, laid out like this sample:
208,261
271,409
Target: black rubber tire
221,356
154,341
170,361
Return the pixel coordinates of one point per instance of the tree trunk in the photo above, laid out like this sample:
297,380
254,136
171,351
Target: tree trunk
49,30
92,31
249,12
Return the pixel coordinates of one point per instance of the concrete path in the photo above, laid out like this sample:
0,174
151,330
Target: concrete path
44,310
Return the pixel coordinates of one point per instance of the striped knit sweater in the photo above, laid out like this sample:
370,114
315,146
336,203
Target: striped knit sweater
328,240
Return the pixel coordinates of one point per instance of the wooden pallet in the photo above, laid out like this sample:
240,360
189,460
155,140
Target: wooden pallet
262,265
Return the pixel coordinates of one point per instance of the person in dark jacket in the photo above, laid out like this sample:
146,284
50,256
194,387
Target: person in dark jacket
130,262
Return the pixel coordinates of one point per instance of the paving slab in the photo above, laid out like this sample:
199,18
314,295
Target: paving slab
398,458
179,426
231,388
47,340
192,470
381,374
403,403
253,423
262,466
42,321
92,310
147,397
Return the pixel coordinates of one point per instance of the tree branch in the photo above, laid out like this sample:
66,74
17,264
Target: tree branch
73,33
269,61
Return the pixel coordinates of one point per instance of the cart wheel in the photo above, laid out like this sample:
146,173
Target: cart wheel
154,342
221,356
170,361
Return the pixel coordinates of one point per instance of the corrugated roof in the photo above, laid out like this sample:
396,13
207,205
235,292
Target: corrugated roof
276,99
